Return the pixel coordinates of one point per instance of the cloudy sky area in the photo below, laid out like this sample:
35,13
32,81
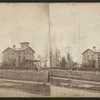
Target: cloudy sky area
29,22
24,22
64,19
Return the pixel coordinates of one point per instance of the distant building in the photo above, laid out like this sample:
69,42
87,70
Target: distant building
92,55
23,56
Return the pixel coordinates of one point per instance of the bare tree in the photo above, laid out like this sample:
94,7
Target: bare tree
69,59
57,56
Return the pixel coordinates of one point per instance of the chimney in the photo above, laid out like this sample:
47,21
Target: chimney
14,46
94,48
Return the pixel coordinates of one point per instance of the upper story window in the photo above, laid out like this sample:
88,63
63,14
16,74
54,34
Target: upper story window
30,55
86,52
8,55
99,58
92,56
9,50
98,54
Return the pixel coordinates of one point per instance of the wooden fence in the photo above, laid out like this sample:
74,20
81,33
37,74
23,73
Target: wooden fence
80,75
28,75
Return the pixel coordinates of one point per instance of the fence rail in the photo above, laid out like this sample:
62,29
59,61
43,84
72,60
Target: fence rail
81,75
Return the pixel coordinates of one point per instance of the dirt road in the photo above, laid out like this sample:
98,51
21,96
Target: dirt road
72,92
5,92
15,88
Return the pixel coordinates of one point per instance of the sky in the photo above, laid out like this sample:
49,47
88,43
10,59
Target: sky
29,22
68,20
24,22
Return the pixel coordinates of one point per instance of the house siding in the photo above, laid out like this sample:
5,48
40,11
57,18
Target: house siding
90,55
10,54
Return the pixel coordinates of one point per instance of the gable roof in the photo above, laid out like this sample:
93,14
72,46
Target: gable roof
7,49
18,49
87,50
30,48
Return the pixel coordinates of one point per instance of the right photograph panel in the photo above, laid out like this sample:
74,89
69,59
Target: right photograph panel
75,49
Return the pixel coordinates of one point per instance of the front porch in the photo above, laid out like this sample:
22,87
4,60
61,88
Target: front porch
32,63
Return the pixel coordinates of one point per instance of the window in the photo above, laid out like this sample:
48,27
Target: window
85,57
87,52
30,55
88,56
92,56
19,59
98,54
8,56
12,56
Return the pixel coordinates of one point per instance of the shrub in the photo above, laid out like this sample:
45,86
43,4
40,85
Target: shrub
86,69
63,63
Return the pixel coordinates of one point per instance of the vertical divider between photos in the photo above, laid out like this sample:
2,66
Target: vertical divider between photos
49,49
79,35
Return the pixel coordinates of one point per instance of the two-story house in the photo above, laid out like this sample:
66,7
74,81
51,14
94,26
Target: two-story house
92,55
23,56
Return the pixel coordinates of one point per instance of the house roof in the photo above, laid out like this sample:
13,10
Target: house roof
19,49
6,49
97,51
87,50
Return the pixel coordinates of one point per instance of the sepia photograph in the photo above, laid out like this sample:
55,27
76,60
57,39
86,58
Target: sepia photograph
75,49
49,50
24,50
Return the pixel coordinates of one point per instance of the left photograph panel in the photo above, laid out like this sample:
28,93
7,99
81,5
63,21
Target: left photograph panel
24,50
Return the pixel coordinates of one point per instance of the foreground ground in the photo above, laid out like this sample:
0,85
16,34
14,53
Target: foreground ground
5,92
72,92
16,88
